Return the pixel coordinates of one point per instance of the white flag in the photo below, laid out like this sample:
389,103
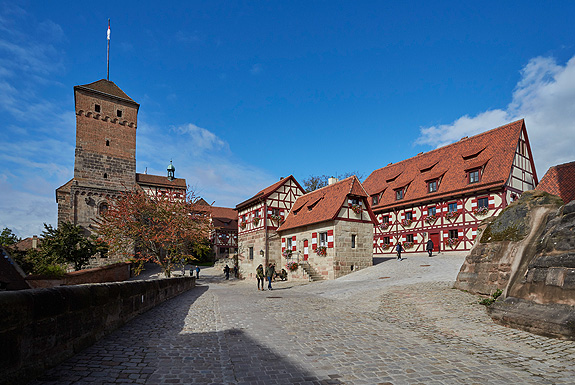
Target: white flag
108,30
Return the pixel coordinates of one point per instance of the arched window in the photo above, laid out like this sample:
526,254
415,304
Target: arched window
103,208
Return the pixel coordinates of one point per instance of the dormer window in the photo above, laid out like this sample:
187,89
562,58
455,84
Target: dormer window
399,194
97,108
119,113
354,201
374,200
432,186
474,175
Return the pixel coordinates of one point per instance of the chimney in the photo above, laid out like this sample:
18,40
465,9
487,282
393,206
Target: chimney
332,180
35,242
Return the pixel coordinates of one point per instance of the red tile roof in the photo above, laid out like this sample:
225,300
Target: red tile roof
107,87
160,181
494,149
323,204
560,180
267,192
224,217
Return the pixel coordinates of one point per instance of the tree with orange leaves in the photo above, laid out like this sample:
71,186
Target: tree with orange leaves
157,229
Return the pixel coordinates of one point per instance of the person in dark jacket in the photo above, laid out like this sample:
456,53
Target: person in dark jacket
429,247
270,272
227,271
399,248
260,276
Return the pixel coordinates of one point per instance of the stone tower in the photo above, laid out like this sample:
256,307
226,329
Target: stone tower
105,156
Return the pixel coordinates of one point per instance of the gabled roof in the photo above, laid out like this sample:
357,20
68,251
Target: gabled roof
493,151
323,204
560,180
260,196
160,181
224,217
106,87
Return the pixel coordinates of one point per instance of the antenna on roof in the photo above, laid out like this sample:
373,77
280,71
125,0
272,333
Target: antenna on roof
108,55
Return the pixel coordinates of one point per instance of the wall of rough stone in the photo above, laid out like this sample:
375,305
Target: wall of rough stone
40,328
116,272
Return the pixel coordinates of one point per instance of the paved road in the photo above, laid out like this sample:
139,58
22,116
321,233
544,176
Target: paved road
398,322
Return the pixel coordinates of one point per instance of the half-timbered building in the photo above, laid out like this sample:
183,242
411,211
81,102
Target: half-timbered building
258,220
329,232
444,194
168,187
224,233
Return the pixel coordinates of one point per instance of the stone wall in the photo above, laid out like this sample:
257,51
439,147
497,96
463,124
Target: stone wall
116,272
40,328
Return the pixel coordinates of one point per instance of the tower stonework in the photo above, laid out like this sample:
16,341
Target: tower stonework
105,155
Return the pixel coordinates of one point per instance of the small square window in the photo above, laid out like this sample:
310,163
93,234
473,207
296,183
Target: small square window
353,239
408,215
97,108
483,202
119,113
386,240
451,207
385,219
474,176
453,234
399,194
432,186
409,238
431,211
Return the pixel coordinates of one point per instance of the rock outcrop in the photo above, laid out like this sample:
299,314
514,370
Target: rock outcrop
528,251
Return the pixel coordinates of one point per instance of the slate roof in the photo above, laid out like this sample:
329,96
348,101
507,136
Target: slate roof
560,180
494,150
323,204
107,87
224,217
160,181
266,193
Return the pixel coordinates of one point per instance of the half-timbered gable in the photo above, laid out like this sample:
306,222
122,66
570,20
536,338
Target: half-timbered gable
444,194
329,231
258,219
224,233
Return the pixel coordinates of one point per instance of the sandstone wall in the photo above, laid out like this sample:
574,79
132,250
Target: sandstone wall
41,328
116,272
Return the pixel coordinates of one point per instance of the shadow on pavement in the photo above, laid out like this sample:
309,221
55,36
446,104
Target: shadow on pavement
164,345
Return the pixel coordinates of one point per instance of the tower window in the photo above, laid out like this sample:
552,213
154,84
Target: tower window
97,108
105,176
119,113
107,143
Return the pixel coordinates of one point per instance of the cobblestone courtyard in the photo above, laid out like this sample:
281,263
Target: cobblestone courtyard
398,322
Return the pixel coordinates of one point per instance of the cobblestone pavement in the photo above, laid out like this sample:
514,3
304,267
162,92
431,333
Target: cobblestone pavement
398,322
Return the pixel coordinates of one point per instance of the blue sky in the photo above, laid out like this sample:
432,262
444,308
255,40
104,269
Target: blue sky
239,94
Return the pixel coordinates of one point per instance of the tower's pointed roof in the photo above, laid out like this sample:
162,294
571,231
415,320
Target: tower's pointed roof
107,87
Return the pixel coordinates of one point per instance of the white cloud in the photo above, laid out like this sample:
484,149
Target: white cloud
544,97
201,139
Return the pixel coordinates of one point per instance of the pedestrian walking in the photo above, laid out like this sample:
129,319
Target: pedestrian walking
429,247
197,272
399,249
260,276
270,271
227,271
236,271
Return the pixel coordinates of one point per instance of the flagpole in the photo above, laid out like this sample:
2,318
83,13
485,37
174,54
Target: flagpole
108,56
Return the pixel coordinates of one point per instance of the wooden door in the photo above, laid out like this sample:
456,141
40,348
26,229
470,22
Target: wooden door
436,240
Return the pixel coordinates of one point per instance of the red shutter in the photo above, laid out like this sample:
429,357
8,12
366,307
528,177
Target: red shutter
491,200
283,244
314,241
293,243
330,243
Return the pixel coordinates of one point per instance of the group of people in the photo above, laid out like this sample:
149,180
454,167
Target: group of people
269,275
227,271
399,248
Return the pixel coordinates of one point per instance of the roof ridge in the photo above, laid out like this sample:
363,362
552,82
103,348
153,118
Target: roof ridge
452,144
